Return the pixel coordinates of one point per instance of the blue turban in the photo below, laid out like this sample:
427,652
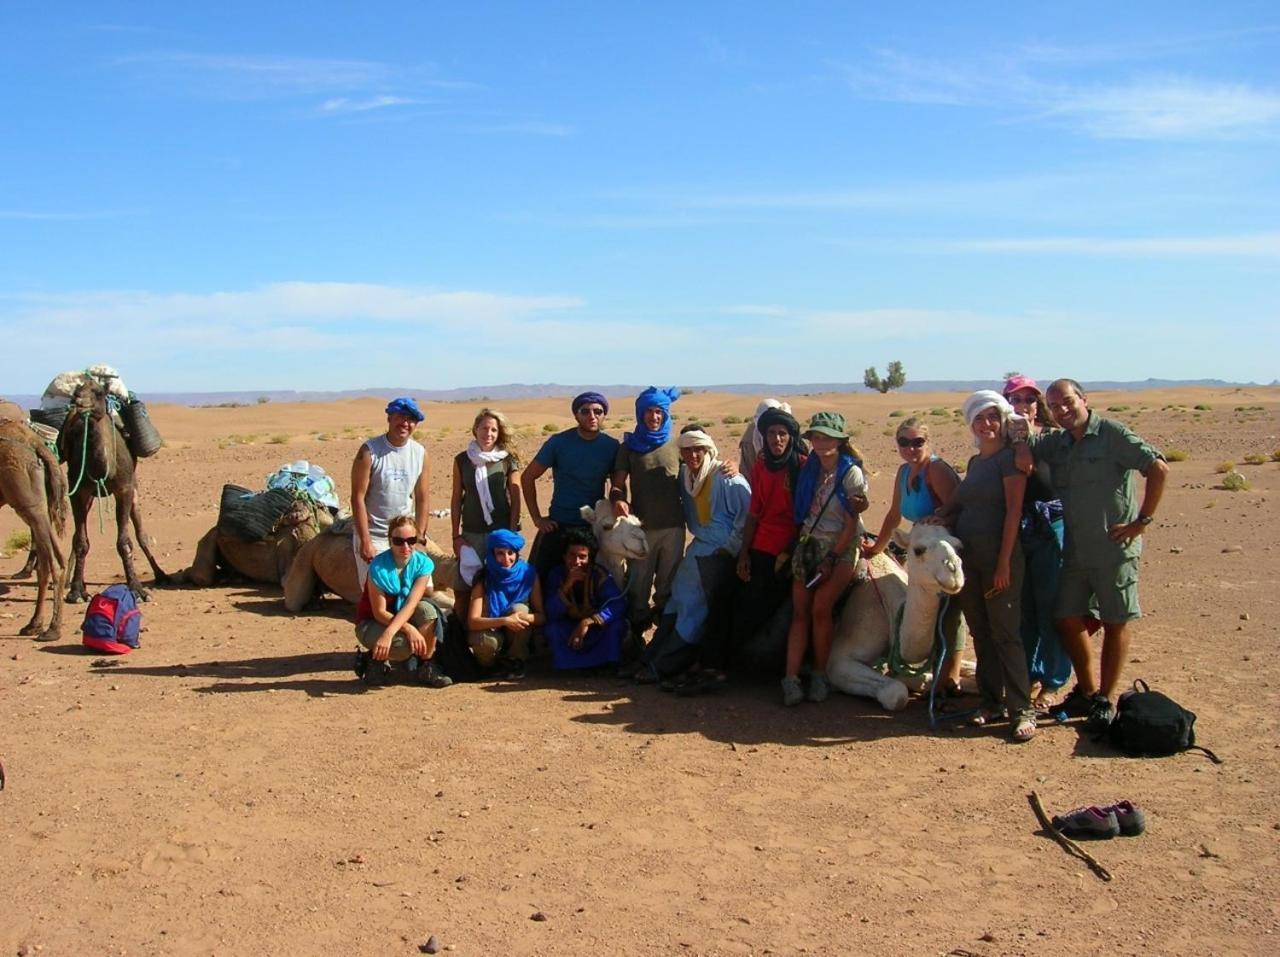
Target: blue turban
404,405
582,399
644,440
504,587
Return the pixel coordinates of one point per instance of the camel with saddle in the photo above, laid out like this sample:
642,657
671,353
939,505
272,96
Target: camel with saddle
221,551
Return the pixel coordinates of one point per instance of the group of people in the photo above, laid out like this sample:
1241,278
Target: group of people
1046,509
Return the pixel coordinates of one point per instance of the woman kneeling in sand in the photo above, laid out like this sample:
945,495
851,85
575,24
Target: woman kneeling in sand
506,605
394,620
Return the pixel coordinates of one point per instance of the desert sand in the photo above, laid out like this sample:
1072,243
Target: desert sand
231,788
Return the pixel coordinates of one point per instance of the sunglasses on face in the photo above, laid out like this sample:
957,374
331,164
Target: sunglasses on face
592,410
1022,400
916,443
411,540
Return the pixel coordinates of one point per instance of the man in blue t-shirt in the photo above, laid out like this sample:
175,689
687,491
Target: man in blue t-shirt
580,460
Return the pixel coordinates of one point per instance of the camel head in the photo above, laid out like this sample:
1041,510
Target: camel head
619,538
90,398
932,558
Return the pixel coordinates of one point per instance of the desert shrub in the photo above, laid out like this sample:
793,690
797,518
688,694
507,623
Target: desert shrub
1117,408
1225,467
278,439
19,539
939,411
549,427
735,433
1203,407
1234,482
1255,458
325,437
1177,455
1275,456
889,432
731,420
896,414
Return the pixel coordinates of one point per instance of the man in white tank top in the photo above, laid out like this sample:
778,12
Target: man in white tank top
388,478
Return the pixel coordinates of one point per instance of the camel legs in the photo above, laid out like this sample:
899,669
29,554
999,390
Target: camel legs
135,515
50,568
855,678
126,508
80,504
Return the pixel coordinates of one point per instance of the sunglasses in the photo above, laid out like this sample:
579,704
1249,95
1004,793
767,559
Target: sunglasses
916,443
397,540
1016,399
591,410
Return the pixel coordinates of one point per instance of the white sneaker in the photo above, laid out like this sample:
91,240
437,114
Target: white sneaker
792,691
818,687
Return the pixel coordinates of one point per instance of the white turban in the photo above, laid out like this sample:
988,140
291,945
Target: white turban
757,440
984,399
697,439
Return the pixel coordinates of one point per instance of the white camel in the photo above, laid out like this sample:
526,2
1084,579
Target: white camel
861,661
620,538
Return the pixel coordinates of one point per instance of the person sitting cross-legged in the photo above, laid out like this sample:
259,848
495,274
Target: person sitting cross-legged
586,611
506,605
395,622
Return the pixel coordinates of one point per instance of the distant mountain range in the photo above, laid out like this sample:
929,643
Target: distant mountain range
552,389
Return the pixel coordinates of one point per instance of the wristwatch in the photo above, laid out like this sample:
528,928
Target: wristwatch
1145,519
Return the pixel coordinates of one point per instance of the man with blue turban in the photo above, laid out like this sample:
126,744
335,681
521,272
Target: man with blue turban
580,460
650,462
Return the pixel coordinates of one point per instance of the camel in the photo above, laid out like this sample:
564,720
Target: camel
912,598
99,463
620,539
327,562
266,561
31,482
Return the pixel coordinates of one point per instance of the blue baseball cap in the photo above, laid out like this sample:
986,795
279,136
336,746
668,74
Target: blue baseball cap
405,406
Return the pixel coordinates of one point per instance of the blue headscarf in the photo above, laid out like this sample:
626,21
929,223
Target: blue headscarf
504,587
644,440
405,405
393,582
582,398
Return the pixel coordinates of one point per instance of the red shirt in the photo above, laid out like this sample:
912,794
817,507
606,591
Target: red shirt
771,504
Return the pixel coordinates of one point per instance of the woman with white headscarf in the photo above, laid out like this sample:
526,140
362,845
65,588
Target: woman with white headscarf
715,509
985,513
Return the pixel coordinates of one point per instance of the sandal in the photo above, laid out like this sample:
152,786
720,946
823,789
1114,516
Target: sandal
1024,730
983,718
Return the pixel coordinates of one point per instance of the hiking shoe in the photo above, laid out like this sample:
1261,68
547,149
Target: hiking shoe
361,664
792,691
1129,816
818,688
377,673
513,669
432,676
1088,823
1101,711
1075,704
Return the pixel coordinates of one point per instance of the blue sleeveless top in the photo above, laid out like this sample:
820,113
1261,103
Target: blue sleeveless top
916,499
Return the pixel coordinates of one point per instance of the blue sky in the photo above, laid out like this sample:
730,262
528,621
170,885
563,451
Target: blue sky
320,195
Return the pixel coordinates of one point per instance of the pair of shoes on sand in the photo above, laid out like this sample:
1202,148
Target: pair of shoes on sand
793,691
374,673
1102,823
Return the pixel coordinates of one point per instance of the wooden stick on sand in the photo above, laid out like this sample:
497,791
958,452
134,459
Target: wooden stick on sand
1071,846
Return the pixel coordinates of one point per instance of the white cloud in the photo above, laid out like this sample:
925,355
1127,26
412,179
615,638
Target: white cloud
343,104
1172,108
1150,107
1260,245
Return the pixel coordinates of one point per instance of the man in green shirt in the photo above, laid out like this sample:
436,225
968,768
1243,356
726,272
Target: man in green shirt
1091,465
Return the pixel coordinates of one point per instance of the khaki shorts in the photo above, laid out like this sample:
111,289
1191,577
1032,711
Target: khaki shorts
370,630
1114,586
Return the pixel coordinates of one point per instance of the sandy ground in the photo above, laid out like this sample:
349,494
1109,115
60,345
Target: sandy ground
230,785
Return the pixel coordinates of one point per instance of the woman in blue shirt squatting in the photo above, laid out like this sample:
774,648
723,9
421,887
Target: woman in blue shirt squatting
715,508
395,622
586,611
505,606
827,550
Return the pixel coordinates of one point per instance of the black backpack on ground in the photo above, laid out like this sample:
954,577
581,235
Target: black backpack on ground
1151,724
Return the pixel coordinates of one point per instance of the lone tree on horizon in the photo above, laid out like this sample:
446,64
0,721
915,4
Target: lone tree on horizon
895,378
